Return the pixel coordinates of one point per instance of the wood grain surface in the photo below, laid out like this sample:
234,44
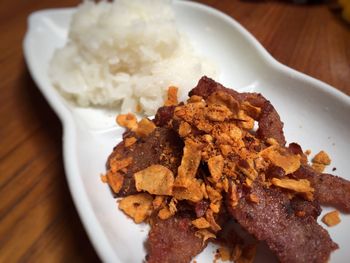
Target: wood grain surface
38,220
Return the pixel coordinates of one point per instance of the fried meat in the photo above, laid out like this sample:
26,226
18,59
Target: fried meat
276,220
173,241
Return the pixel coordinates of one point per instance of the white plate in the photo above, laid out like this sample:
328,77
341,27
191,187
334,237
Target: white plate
315,115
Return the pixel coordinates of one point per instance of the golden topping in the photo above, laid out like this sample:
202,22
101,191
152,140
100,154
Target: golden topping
190,160
138,206
184,129
128,121
216,165
225,149
103,178
216,112
318,167
233,195
158,202
195,98
201,223
320,161
209,215
145,128
115,181
117,165
155,179
129,141
172,96
188,189
300,186
251,110
222,98
169,210
281,158
165,213
331,218
322,158
246,122
254,198
204,234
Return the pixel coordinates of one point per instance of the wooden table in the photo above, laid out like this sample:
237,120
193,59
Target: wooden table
38,220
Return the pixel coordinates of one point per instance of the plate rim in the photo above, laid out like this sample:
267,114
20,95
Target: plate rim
78,192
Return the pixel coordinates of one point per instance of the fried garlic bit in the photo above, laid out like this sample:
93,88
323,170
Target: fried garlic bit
168,210
216,165
300,186
115,181
201,223
155,179
186,186
114,176
129,141
145,127
221,98
204,234
320,161
281,158
138,206
128,121
331,218
172,96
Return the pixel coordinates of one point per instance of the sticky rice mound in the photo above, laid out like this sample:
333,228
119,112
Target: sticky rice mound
125,54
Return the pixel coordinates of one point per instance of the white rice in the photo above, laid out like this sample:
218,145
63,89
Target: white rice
126,54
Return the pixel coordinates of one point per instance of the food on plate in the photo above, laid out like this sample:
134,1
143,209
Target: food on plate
209,164
125,54
331,218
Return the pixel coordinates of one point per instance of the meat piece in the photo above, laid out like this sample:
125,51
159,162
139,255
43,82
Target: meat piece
172,241
304,208
206,86
329,189
273,219
162,146
164,115
270,124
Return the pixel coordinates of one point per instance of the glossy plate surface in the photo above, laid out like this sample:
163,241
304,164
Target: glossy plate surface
315,115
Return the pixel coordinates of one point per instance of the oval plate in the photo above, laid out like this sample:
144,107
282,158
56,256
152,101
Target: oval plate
315,114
